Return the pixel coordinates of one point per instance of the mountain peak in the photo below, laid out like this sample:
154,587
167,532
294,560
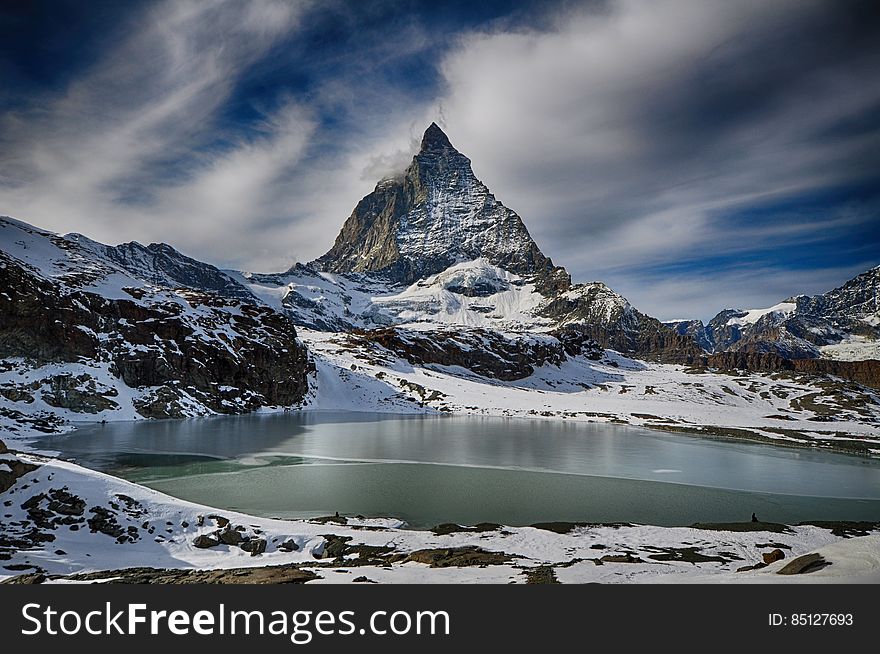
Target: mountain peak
435,215
435,139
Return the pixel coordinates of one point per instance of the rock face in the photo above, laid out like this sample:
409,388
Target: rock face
773,556
702,335
614,323
487,353
167,352
162,265
866,373
435,214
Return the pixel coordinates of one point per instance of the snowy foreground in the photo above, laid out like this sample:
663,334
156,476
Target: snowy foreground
87,521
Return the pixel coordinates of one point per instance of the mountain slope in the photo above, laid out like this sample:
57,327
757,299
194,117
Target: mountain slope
80,335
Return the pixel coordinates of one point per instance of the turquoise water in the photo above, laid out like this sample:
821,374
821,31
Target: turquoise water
432,469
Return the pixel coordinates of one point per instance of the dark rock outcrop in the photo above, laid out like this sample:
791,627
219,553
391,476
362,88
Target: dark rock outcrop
865,372
277,574
804,565
773,556
485,352
255,546
230,355
17,469
205,541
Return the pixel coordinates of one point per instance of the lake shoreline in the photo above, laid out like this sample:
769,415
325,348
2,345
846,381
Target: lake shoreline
133,534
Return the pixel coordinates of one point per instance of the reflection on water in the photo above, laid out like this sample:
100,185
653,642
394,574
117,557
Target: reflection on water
429,469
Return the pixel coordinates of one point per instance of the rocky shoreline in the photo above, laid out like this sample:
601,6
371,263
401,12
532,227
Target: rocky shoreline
64,523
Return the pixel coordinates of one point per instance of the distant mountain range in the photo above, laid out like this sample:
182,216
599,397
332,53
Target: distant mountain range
843,323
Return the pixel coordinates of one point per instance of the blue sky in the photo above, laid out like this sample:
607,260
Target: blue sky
692,155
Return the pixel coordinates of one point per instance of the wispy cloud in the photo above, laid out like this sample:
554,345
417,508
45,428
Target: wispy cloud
634,135
641,140
130,148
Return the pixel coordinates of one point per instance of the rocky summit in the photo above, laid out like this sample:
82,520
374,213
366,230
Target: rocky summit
432,216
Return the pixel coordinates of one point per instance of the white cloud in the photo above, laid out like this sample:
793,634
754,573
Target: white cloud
104,156
621,132
624,135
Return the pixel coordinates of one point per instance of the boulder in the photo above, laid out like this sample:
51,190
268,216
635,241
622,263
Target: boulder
220,520
621,558
254,546
804,564
773,556
230,536
289,546
205,541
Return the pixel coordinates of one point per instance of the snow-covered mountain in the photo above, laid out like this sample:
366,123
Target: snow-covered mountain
432,216
132,331
433,247
843,323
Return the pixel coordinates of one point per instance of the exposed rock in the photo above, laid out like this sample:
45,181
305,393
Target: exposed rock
542,574
289,546
323,520
689,555
80,393
435,214
230,536
803,565
773,556
611,321
798,327
255,546
162,265
17,469
450,528
702,335
458,557
279,574
219,520
621,558
845,528
64,502
485,352
28,579
334,546
193,346
104,521
204,541
774,545
748,568
863,372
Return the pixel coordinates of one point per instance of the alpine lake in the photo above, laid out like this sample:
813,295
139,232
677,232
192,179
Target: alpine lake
432,469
